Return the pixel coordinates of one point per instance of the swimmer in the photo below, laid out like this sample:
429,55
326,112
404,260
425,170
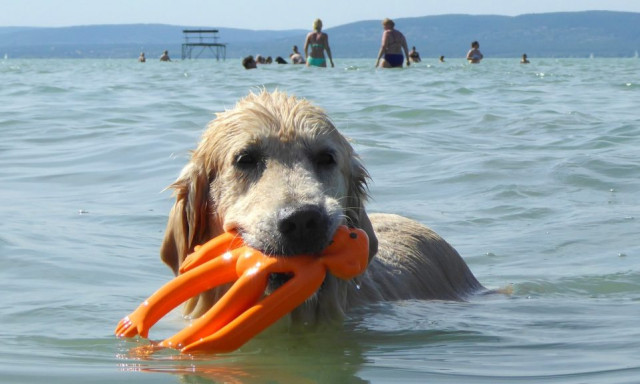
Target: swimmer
249,63
165,56
524,59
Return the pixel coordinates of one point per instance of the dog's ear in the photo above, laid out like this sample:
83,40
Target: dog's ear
356,198
365,225
189,221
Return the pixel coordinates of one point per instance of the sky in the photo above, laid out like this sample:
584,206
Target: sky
271,14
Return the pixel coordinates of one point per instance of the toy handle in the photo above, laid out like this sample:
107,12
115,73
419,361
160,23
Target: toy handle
256,319
246,291
213,248
211,274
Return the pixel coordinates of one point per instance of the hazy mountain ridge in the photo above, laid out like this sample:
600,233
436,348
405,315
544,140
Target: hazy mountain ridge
569,34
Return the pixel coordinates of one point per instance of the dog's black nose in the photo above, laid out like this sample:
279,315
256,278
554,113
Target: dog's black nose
303,229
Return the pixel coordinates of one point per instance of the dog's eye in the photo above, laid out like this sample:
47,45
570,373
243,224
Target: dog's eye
247,160
325,159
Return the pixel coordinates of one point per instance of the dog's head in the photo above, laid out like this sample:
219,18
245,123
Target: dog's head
275,169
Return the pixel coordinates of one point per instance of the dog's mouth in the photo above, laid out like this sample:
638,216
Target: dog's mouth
288,242
277,245
277,280
292,230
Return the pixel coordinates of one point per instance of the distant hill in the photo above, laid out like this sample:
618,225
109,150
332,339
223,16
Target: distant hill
575,34
124,41
572,34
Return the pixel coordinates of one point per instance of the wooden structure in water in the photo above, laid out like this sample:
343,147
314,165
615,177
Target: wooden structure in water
205,39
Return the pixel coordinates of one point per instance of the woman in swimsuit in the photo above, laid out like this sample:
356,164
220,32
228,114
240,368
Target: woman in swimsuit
474,55
393,43
318,41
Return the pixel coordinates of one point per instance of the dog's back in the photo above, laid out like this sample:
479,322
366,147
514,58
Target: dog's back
412,262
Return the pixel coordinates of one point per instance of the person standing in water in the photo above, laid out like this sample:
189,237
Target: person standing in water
393,43
296,57
414,55
474,55
165,56
318,41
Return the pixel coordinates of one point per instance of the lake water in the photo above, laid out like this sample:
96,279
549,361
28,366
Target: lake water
531,171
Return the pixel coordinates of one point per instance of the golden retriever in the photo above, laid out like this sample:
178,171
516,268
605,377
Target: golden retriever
276,170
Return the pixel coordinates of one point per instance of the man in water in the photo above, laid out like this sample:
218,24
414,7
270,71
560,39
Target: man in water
249,63
414,55
165,56
296,57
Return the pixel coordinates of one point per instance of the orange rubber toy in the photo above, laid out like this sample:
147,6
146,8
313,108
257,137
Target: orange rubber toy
243,311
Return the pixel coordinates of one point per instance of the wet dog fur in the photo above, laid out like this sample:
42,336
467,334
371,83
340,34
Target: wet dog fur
276,170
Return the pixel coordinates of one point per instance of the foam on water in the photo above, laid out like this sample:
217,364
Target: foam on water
531,171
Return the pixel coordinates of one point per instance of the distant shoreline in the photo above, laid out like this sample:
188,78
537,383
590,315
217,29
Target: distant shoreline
430,61
551,35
